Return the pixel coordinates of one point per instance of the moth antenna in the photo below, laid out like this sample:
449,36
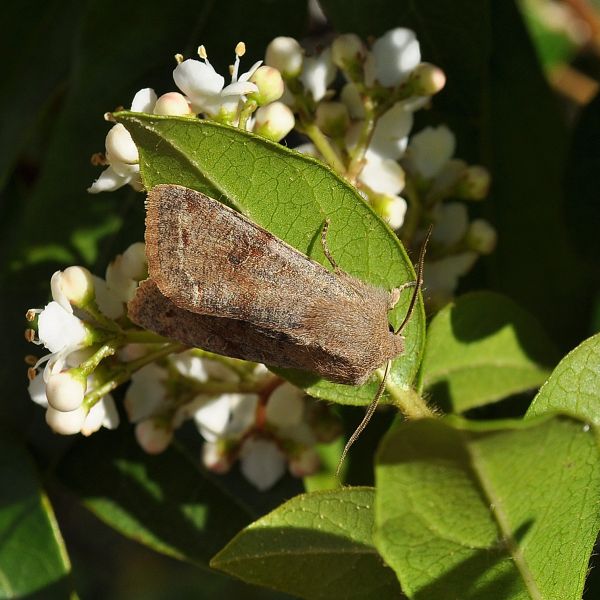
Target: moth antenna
326,251
370,411
419,283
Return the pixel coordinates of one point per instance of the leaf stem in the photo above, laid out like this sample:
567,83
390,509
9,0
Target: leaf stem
409,402
319,139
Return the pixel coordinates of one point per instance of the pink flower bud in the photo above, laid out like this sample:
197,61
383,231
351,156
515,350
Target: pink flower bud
173,104
153,436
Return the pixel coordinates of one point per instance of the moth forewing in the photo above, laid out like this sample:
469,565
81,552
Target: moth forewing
282,308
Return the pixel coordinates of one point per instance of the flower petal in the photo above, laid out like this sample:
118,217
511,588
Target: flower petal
109,181
144,101
58,329
262,463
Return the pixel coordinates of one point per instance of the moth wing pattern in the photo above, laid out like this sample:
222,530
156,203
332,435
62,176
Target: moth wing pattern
209,259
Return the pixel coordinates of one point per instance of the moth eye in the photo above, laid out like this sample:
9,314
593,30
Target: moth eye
391,328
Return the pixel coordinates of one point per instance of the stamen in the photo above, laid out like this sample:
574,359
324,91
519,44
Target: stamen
31,313
179,58
202,52
240,49
30,335
30,359
109,117
31,373
98,159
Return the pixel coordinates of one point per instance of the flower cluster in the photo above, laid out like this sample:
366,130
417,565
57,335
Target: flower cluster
363,130
249,101
242,411
81,327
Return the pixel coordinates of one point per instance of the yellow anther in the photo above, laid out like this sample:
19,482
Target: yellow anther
202,52
240,49
179,58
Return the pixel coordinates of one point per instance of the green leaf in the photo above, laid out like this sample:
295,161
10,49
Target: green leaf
33,558
316,545
488,510
291,195
482,348
574,386
165,502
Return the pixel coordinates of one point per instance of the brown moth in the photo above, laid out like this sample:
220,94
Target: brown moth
220,282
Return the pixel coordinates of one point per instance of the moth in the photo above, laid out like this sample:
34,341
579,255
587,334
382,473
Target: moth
220,282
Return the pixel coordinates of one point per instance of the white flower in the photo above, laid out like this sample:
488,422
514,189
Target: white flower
205,88
108,303
202,369
430,150
121,151
317,73
146,394
392,209
214,458
261,462
390,137
125,272
451,224
441,276
396,54
308,149
383,175
65,390
60,330
102,414
285,406
228,416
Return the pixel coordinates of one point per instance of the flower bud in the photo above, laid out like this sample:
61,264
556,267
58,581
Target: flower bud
153,436
270,85
274,121
391,208
286,55
214,458
396,54
306,463
285,406
65,391
427,79
120,147
348,52
333,118
430,150
481,237
73,286
66,423
173,104
474,184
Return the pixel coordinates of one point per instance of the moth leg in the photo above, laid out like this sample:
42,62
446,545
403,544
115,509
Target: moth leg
326,247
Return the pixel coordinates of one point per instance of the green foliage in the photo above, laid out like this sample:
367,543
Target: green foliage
291,195
574,386
317,545
33,558
488,510
462,509
482,348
